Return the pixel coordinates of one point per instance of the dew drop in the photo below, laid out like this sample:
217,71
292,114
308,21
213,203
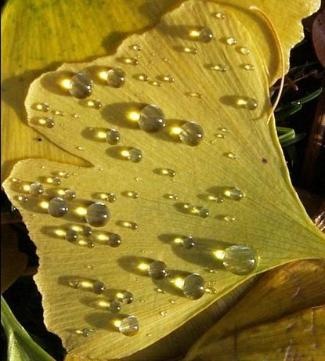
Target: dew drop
167,78
131,194
41,107
219,15
129,60
36,189
154,82
171,196
97,214
163,313
191,133
124,297
23,198
129,326
203,34
193,286
243,50
239,259
57,207
92,103
165,171
69,194
135,47
128,224
247,103
115,77
218,67
85,332
44,121
113,136
141,77
159,290
79,147
71,235
229,218
114,240
193,94
231,40
132,154
234,193
151,118
188,242
157,270
248,67
189,50
80,86
57,112
231,155
172,302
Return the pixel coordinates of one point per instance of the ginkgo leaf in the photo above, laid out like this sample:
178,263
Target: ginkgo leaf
280,313
200,67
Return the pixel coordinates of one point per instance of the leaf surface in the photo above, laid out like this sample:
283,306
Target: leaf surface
239,149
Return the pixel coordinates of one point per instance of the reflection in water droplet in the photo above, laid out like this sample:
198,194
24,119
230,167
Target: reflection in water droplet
128,326
41,107
239,259
233,193
80,86
97,214
218,67
151,118
231,41
36,189
115,77
113,136
203,34
243,50
193,286
248,67
132,154
157,270
191,133
247,103
57,207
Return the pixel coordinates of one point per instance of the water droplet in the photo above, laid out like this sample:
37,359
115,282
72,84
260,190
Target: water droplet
71,235
229,218
132,154
163,313
231,41
239,259
141,77
57,112
188,242
233,193
151,118
115,77
248,67
44,121
131,194
218,67
79,147
189,50
193,94
23,198
224,130
92,103
154,82
171,196
243,50
193,286
114,240
108,305
135,47
69,194
124,297
166,78
129,60
203,34
196,210
113,136
210,290
219,15
97,214
128,224
172,302
36,189
165,171
129,326
231,155
191,133
80,86
157,270
159,290
85,332
75,115
247,103
41,107
57,207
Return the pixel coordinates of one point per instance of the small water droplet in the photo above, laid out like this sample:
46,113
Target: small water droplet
231,40
159,290
210,290
239,259
113,136
188,242
41,107
57,207
191,133
132,154
69,194
193,94
231,155
129,60
141,77
129,326
79,147
203,34
108,305
243,50
189,50
247,103
163,313
128,224
71,235
85,332
36,189
196,210
124,297
23,198
92,103
165,171
218,67
193,286
157,270
172,302
233,193
154,82
115,77
97,214
57,112
75,115
151,118
131,194
229,218
44,121
171,196
166,78
135,47
80,85
219,15
248,67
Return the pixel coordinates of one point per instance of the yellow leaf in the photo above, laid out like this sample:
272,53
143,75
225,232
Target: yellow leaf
278,317
174,190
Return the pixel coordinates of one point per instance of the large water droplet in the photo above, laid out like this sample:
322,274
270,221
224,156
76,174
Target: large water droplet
193,286
115,77
80,85
157,270
191,133
57,207
239,259
113,136
129,326
97,214
151,118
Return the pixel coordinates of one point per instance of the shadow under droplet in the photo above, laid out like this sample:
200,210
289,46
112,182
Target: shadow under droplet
54,82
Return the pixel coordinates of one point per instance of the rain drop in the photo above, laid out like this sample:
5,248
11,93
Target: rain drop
113,136
97,214
154,82
124,297
243,50
36,189
135,47
165,171
171,196
114,240
193,94
193,286
157,270
131,194
57,207
69,194
167,78
92,103
191,133
141,77
203,34
151,118
163,313
239,259
80,86
45,122
219,15
247,103
115,77
218,67
71,235
128,224
231,155
132,154
129,326
129,61
189,50
231,41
